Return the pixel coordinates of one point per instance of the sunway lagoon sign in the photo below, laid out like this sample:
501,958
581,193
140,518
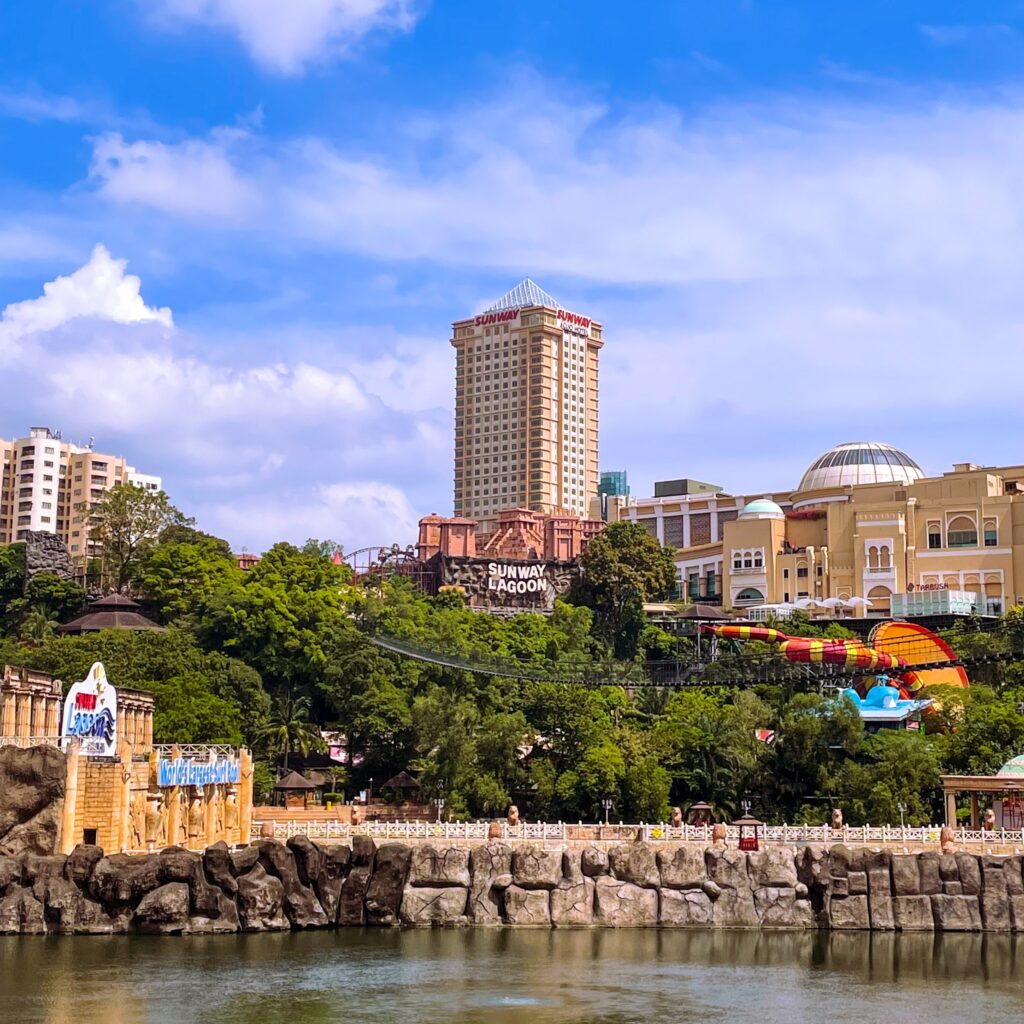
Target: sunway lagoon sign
515,578
189,771
90,714
573,322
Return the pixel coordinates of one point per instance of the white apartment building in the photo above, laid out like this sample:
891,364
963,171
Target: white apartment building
45,480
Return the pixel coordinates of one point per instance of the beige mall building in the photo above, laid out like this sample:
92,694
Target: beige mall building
525,408
44,480
864,521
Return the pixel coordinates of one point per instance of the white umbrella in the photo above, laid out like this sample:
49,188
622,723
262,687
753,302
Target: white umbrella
832,602
807,602
860,602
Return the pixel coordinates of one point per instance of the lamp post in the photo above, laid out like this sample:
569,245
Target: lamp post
902,807
606,804
369,791
440,801
745,804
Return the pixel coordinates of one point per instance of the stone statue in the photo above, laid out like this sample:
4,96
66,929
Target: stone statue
837,818
137,821
676,821
231,812
266,830
154,820
947,839
719,835
513,816
494,830
988,823
195,820
357,814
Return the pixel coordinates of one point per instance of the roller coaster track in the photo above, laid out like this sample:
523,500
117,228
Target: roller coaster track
657,674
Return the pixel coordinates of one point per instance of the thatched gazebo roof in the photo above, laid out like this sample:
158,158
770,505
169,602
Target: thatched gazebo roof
403,780
115,611
295,781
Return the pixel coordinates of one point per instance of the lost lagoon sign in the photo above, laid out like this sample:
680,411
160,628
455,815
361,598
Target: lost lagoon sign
90,715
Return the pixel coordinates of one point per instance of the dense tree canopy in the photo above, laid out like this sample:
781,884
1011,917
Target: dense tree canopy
273,655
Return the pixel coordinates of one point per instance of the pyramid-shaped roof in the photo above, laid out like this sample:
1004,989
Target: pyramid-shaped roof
526,293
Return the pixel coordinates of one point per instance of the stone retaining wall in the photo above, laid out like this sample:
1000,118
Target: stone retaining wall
272,886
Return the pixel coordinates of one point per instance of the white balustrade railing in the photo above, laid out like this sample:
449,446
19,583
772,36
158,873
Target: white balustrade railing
329,828
29,741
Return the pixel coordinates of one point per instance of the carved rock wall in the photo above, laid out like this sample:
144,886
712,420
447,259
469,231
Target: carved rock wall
302,884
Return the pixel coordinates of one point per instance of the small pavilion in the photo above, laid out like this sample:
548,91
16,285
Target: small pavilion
295,790
115,611
1006,788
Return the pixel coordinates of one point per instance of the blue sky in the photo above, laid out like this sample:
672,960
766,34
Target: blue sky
233,234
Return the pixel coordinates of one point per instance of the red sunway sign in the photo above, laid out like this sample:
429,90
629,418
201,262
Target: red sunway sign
573,318
496,318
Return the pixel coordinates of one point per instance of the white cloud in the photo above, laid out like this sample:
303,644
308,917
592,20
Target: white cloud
195,178
356,513
278,437
560,187
101,289
285,36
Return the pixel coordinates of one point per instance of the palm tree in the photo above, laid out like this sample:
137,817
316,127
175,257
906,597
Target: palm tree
37,626
289,728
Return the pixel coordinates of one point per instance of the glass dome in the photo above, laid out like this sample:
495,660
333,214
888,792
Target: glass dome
1015,766
860,462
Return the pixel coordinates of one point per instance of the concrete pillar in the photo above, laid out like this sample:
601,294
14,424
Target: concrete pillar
148,732
245,796
209,815
950,808
67,821
975,815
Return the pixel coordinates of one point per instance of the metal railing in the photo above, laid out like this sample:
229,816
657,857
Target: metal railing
198,751
567,832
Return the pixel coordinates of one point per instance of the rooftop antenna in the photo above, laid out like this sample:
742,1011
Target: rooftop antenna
92,441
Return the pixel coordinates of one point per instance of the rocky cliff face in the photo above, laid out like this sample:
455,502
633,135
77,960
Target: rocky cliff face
31,799
272,886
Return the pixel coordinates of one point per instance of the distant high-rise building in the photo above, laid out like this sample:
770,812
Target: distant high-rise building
615,483
525,407
44,480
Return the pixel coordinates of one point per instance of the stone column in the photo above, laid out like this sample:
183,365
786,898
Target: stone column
8,713
950,808
67,821
53,717
173,813
123,795
24,725
147,717
245,796
975,815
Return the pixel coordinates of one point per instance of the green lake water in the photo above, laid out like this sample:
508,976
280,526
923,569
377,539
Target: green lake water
539,977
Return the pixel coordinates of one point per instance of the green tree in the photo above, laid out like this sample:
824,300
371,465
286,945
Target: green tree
621,569
289,729
125,521
57,598
177,576
38,625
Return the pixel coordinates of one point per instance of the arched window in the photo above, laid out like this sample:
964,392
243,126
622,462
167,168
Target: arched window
750,595
881,601
961,532
872,557
884,558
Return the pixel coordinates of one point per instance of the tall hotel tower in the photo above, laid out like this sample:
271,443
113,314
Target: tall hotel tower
525,407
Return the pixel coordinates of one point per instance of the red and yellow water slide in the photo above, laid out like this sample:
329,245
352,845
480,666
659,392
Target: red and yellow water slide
893,648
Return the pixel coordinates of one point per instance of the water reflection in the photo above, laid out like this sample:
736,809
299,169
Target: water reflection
498,976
